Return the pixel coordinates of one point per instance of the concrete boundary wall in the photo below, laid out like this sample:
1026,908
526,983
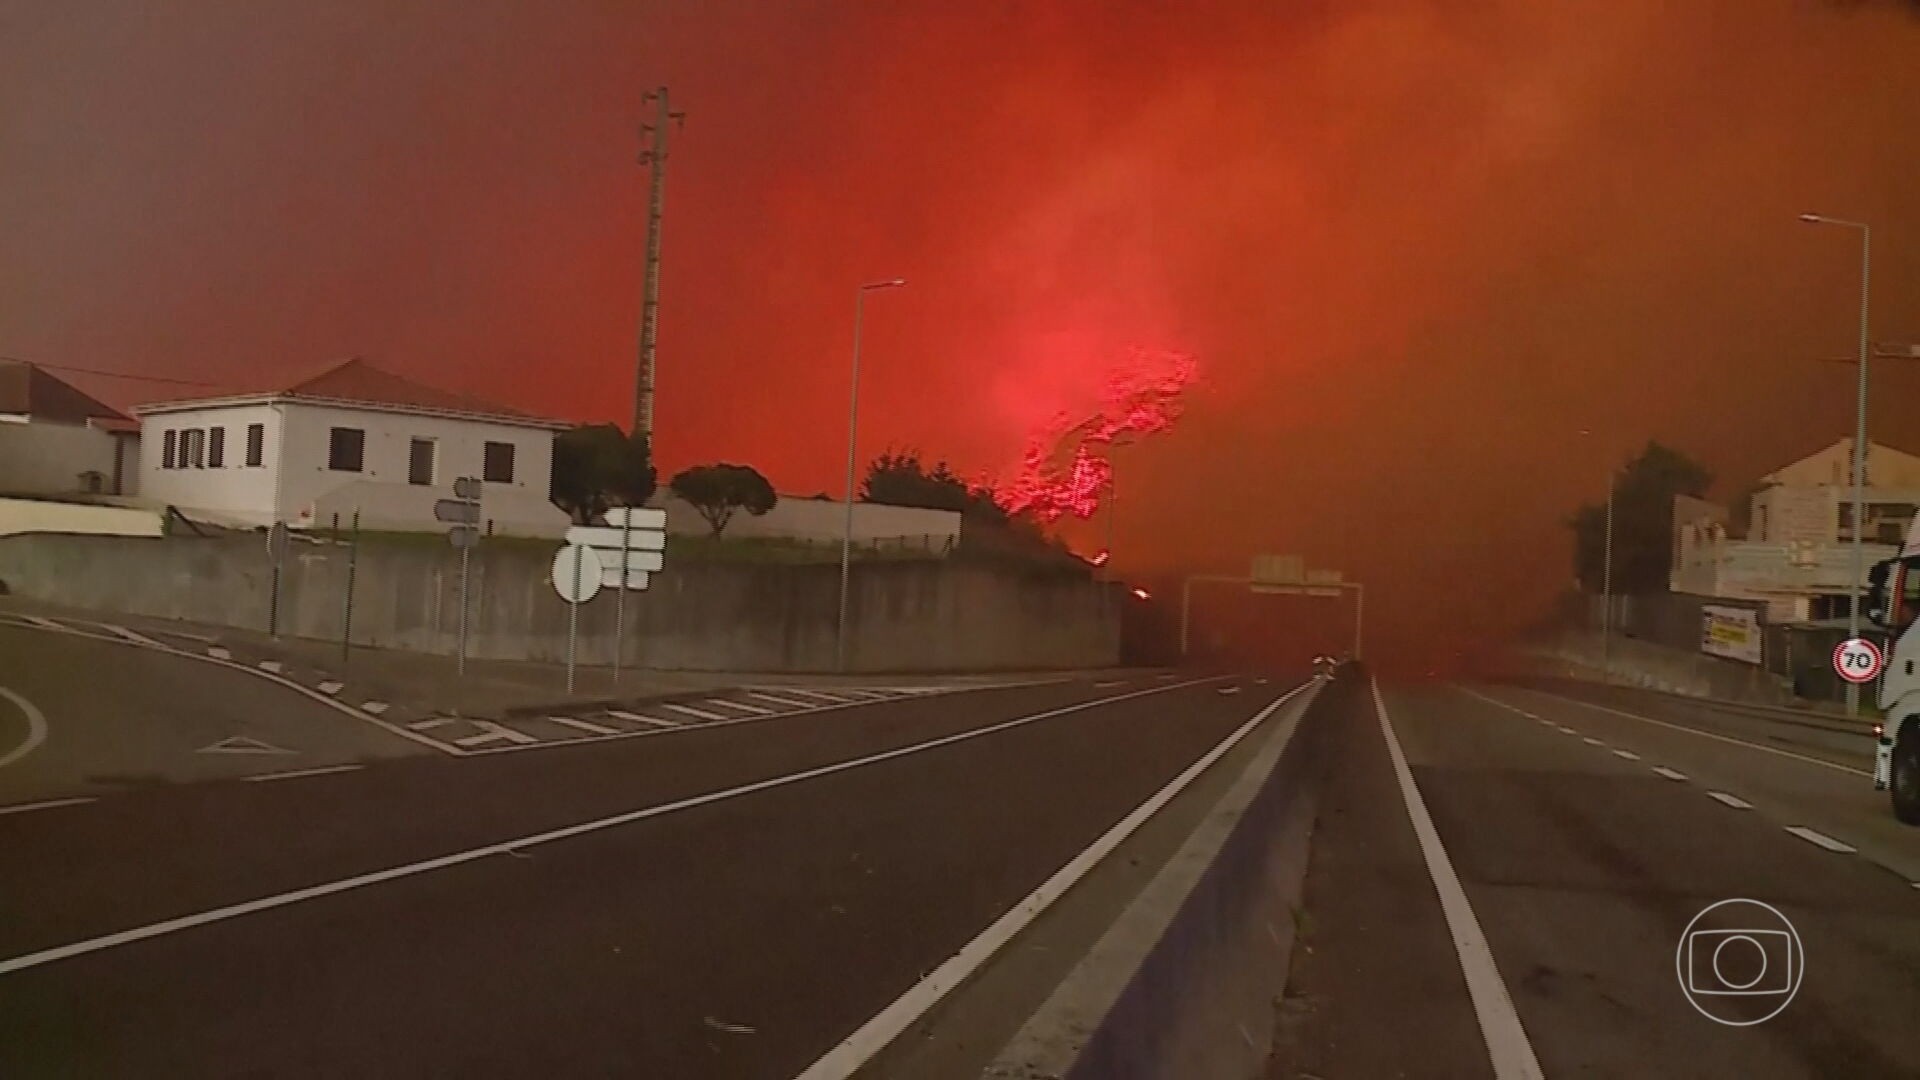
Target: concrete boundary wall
1184,983
914,615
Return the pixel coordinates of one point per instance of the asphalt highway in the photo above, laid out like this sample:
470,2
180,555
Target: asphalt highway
1586,830
728,902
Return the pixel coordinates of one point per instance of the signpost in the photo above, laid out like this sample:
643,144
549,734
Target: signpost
576,577
277,542
631,546
463,512
1858,660
1284,575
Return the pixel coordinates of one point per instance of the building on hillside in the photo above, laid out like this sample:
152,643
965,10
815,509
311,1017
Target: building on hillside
56,440
1797,553
354,437
819,520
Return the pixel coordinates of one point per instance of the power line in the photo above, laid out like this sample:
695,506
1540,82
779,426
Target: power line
110,374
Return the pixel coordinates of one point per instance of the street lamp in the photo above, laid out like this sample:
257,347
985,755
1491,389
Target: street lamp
853,421
1859,443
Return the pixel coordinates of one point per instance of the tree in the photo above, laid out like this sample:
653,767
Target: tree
720,490
1642,522
900,478
598,466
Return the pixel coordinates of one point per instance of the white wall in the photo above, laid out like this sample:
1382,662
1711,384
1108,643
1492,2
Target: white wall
233,491
36,515
817,519
42,458
309,489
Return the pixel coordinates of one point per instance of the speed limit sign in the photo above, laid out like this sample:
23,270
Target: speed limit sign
1858,660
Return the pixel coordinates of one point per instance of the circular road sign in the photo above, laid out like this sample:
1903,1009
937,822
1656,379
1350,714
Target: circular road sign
1858,660
576,573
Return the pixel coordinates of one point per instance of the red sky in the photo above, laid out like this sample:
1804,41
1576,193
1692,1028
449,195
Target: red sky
1416,246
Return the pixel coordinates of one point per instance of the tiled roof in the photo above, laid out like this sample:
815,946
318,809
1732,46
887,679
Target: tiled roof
30,390
357,380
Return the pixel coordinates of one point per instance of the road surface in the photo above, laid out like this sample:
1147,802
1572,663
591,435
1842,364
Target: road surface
1586,828
727,901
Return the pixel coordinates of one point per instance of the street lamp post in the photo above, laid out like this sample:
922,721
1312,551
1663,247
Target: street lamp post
853,426
1859,442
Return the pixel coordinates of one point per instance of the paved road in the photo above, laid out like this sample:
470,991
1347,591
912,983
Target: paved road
729,902
1586,835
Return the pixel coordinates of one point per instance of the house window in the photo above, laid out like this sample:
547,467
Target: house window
197,447
346,449
169,446
496,464
420,462
256,445
217,448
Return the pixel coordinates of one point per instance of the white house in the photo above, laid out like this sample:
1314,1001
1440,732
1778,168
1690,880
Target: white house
55,440
354,437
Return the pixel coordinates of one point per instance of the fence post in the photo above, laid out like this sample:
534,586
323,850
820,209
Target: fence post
346,615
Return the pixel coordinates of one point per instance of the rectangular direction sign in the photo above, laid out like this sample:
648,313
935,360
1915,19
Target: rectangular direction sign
1278,569
467,487
652,561
608,539
636,579
638,517
457,511
463,536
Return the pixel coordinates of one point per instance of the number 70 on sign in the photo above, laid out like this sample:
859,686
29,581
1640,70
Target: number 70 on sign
1858,660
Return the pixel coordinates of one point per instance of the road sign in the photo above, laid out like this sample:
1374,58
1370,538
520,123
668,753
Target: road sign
1858,660
467,487
463,536
457,511
1278,569
645,547
609,539
637,518
576,573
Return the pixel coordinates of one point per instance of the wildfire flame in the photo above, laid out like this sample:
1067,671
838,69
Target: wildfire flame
1065,467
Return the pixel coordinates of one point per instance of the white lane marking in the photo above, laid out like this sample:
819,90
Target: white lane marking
393,873
1565,730
1821,839
36,728
1109,684
296,773
436,722
788,702
1168,675
729,703
271,666
587,726
1710,735
130,635
1627,754
44,624
374,707
1507,1046
240,744
1229,690
219,653
870,695
1729,800
639,719
796,691
331,687
22,808
691,711
491,732
1669,773
857,1049
1591,741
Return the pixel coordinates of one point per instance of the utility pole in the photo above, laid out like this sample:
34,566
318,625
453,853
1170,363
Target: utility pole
653,154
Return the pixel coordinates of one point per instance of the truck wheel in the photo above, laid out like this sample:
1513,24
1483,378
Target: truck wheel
1905,785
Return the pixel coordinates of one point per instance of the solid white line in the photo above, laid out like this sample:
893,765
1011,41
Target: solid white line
1628,754
331,687
491,732
639,719
788,702
857,1049
1507,1046
1820,839
1669,773
729,703
1730,800
1710,735
36,728
320,771
312,892
691,711
587,726
21,808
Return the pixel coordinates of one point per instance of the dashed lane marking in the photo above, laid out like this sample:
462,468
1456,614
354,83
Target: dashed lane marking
788,702
1109,684
375,707
1627,754
330,687
587,726
219,653
1821,840
1229,690
47,804
1703,734
1669,773
273,667
691,711
760,710
491,732
637,718
798,692
1729,800
295,774
1591,741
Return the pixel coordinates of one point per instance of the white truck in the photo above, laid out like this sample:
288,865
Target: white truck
1893,599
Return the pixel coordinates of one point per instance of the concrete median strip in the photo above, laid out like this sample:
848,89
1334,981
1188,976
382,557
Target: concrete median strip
508,847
